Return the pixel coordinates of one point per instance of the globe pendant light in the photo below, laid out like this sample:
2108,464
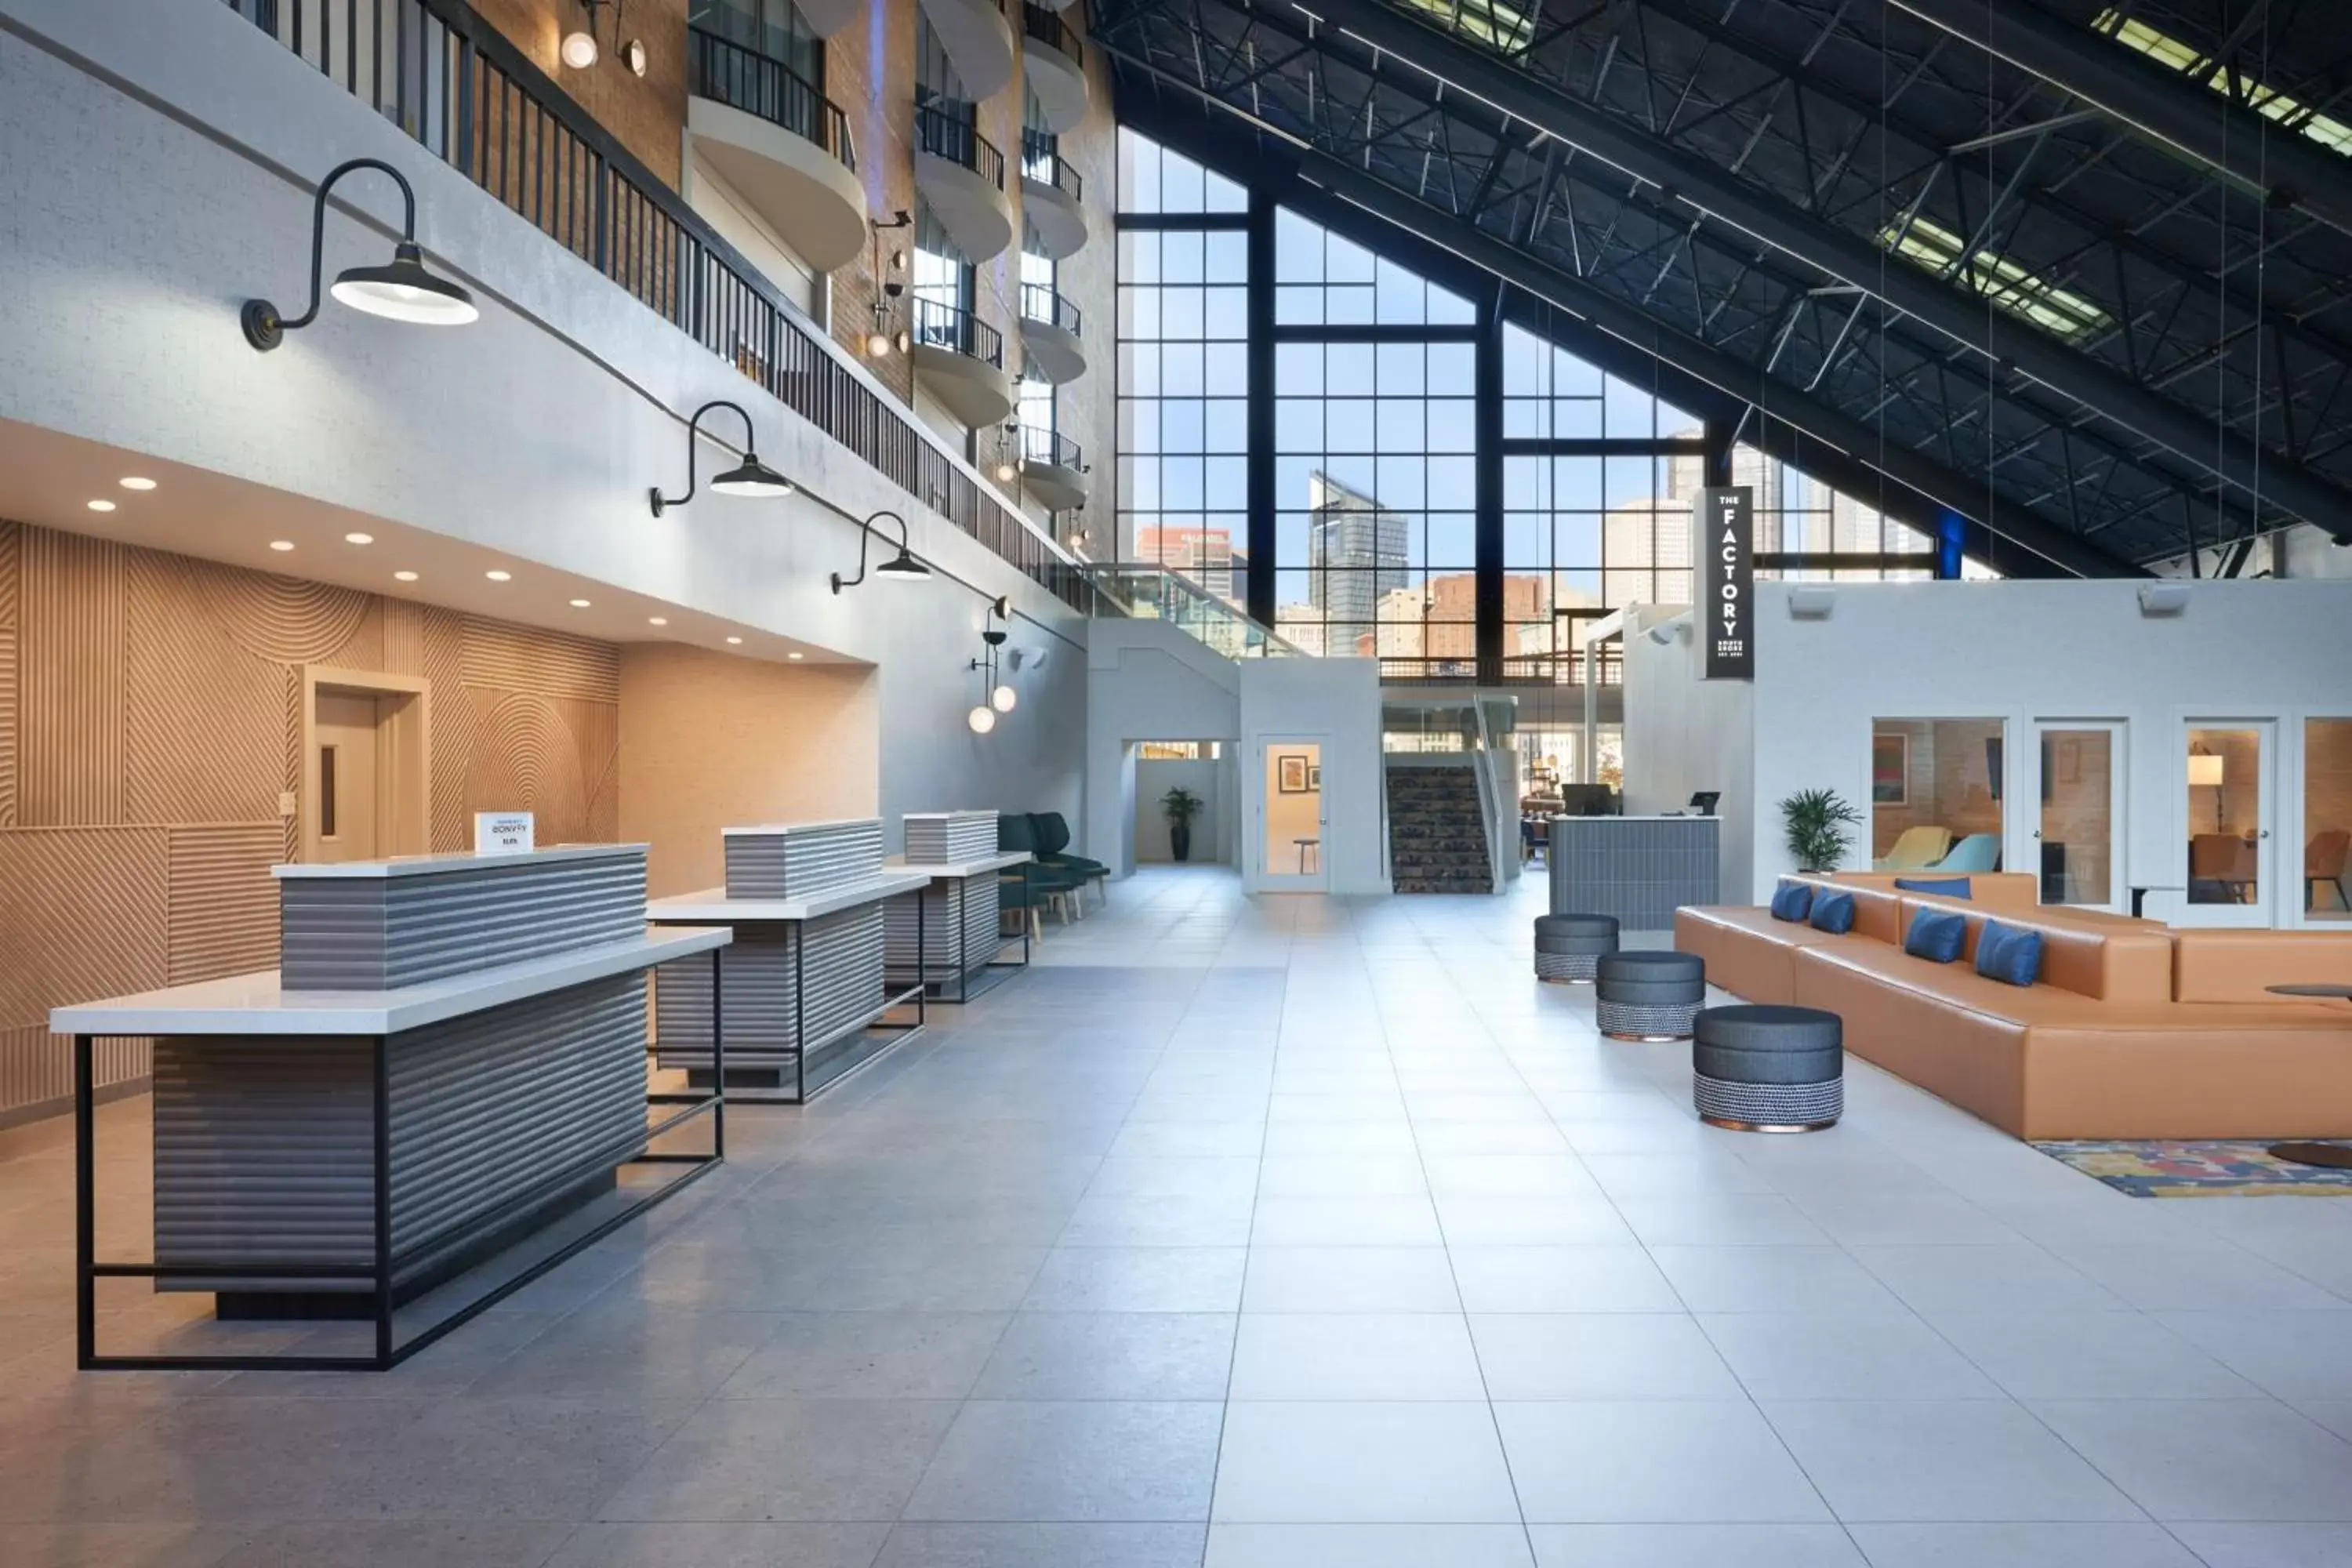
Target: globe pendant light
981,719
399,290
1003,698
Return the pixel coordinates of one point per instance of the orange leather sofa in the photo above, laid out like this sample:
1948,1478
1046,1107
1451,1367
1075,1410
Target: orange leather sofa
2134,1030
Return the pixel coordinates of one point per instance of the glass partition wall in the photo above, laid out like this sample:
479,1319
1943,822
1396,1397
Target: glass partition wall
2326,820
1936,794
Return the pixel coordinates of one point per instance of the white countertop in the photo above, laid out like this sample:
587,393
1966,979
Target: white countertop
452,860
1686,817
712,904
1001,860
774,829
969,813
256,1004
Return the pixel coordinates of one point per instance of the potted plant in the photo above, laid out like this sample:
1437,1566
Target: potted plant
1180,806
1816,821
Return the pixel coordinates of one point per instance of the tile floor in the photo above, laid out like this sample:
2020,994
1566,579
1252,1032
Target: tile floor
1295,1233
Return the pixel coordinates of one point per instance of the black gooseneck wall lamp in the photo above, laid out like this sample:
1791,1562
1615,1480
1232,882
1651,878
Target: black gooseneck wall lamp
400,289
749,477
900,568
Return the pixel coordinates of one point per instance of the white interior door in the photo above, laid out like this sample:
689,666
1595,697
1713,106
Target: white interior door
2227,770
2077,827
1291,815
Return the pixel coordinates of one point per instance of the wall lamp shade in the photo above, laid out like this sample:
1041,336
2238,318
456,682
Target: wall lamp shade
2206,771
900,568
1004,699
579,49
981,719
2163,598
399,290
749,477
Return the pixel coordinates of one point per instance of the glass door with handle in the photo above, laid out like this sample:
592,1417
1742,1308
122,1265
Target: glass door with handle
2230,858
2077,830
1291,817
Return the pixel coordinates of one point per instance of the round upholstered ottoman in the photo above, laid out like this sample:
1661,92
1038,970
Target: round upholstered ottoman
1569,947
1769,1069
1649,995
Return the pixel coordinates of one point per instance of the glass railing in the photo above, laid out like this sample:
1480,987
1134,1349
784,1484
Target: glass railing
724,70
1146,592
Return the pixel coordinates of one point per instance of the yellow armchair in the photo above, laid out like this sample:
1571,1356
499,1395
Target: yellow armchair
1918,849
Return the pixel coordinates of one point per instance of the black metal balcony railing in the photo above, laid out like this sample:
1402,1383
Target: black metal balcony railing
1042,161
945,133
1040,303
1047,27
944,326
471,98
1039,444
724,70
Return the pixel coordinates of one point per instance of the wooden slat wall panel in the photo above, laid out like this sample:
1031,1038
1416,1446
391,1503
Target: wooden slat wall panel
11,542
551,664
150,718
83,913
224,902
70,681
204,721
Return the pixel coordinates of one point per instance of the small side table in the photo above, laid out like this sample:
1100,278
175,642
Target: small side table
1305,847
2335,1156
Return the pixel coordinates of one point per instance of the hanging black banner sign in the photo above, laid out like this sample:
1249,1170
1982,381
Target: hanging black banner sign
1726,575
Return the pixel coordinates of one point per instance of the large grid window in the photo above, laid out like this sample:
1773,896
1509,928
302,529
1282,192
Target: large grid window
1375,381
1183,373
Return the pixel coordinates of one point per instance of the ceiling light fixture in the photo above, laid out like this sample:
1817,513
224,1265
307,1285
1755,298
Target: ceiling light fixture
900,568
494,576
400,289
281,545
100,505
358,539
796,656
578,604
135,483
656,620
404,576
749,477
735,642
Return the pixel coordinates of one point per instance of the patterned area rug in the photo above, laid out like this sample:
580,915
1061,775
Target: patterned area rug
2177,1168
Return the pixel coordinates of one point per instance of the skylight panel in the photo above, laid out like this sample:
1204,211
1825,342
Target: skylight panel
1503,28
2008,285
2174,55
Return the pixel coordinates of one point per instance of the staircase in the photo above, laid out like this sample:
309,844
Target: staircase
1437,834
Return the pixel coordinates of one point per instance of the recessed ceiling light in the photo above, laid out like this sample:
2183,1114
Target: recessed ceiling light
358,539
578,604
796,656
404,576
494,576
736,641
100,505
281,545
135,482
656,620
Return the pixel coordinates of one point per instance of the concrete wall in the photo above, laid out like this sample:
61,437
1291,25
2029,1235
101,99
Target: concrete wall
1336,701
2058,651
1145,680
534,432
1683,735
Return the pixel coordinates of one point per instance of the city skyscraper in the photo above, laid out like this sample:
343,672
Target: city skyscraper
1357,548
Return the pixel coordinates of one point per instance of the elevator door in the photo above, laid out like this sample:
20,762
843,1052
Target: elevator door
347,733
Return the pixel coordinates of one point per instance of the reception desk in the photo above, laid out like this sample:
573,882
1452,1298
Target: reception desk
955,940
802,993
450,1058
1638,868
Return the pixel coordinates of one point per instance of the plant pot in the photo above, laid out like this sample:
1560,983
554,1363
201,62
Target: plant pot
1180,840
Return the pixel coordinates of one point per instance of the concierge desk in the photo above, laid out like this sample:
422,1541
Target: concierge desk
1639,869
801,994
429,1103
958,947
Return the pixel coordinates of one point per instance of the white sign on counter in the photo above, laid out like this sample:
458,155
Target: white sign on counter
503,833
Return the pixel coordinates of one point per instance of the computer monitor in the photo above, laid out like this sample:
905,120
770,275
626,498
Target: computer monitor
1587,800
1702,801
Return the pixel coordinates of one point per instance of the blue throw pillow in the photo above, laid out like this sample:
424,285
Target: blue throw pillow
1832,912
1935,935
1945,887
1791,901
2008,954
